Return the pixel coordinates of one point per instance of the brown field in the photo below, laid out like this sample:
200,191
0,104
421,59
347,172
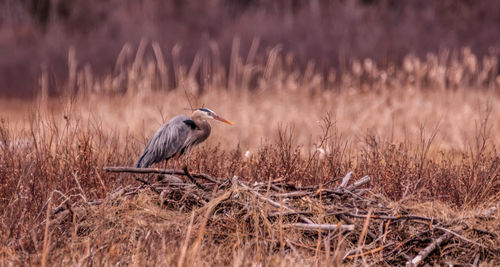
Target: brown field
426,132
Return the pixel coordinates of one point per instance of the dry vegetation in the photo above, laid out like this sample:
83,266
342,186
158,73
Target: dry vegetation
39,33
425,132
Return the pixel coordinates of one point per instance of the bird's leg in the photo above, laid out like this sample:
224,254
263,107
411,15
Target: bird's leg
186,158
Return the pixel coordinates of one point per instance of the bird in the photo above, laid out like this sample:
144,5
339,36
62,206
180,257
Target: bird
177,136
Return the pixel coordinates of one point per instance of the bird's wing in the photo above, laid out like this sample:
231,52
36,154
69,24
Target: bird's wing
166,142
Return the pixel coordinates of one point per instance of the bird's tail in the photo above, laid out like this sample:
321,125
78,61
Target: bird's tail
143,161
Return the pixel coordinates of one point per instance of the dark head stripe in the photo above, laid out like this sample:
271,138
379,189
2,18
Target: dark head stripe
206,110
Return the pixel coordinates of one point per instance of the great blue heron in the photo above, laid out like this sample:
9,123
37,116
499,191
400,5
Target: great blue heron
178,135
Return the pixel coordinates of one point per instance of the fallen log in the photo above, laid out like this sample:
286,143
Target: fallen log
160,171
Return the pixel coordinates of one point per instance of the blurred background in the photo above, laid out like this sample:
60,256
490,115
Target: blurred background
52,38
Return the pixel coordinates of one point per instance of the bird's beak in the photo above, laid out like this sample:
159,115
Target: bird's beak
217,117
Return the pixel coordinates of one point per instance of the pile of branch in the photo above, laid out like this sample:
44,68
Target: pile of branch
348,220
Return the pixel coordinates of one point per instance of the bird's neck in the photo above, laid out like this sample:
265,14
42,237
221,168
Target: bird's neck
204,130
203,124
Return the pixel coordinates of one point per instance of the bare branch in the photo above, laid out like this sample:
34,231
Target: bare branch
426,251
317,227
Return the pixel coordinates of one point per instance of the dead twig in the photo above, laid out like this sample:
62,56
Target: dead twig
349,255
317,227
291,194
287,213
345,180
270,201
460,237
366,179
347,220
476,260
191,178
426,251
297,254
394,218
148,184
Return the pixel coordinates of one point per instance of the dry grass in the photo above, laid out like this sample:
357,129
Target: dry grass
424,140
39,33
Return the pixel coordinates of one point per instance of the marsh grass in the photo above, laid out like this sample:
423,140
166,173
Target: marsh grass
420,132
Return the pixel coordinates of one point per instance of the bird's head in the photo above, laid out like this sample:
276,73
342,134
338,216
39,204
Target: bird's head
205,113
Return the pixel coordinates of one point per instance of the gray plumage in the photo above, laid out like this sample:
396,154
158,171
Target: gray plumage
177,136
